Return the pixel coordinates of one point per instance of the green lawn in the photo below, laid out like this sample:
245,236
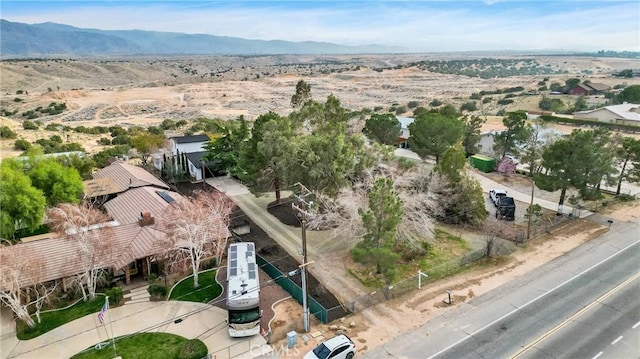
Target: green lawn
207,290
55,319
149,345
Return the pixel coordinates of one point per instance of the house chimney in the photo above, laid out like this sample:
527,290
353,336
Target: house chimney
146,219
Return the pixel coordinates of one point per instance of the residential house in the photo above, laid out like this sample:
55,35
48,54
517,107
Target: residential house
137,203
487,140
197,166
404,130
188,144
626,114
117,178
589,88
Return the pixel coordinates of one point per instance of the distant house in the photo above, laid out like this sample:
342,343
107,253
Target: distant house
485,144
626,114
188,144
487,140
404,130
589,88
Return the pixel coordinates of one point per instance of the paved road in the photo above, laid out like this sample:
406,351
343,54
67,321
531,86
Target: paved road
499,323
506,336
616,314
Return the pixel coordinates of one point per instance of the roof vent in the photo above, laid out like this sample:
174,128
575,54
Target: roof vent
146,219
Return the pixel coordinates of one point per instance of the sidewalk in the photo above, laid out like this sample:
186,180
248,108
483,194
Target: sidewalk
199,320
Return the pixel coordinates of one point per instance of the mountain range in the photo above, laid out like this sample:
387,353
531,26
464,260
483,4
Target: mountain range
51,39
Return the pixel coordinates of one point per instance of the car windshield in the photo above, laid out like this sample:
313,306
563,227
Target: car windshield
244,316
321,351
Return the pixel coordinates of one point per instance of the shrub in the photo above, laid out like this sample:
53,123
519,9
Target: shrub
505,101
413,104
6,132
168,124
29,125
157,291
435,103
104,141
469,106
121,140
400,110
114,294
17,99
405,164
475,96
19,92
52,127
378,109
193,349
487,100
152,278
208,264
22,144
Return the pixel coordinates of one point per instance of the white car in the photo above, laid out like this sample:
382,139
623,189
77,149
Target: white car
338,347
496,194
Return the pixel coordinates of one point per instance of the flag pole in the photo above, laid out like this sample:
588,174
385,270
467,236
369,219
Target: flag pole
113,339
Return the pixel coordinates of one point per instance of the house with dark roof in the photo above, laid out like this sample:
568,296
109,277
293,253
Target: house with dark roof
589,88
196,162
188,144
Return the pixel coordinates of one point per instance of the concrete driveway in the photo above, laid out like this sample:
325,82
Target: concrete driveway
201,321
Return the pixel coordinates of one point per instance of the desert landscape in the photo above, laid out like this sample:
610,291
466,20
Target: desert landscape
145,91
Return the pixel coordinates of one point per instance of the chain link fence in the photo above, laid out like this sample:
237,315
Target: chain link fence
412,283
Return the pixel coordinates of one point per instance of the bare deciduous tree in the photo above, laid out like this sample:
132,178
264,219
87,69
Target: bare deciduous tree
198,228
420,191
20,281
90,230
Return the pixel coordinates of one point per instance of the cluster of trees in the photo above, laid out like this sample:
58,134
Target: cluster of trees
29,186
583,160
487,68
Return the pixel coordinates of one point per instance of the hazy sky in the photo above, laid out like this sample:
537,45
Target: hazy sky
415,25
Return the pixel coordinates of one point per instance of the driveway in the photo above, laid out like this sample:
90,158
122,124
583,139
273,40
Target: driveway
201,321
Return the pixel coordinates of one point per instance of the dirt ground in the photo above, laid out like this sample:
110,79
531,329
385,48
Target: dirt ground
146,91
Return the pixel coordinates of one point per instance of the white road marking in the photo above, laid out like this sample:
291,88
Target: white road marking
597,355
635,325
534,299
617,340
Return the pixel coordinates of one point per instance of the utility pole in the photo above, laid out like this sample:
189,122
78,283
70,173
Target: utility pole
533,186
302,209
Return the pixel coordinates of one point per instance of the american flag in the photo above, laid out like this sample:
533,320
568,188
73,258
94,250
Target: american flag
103,310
